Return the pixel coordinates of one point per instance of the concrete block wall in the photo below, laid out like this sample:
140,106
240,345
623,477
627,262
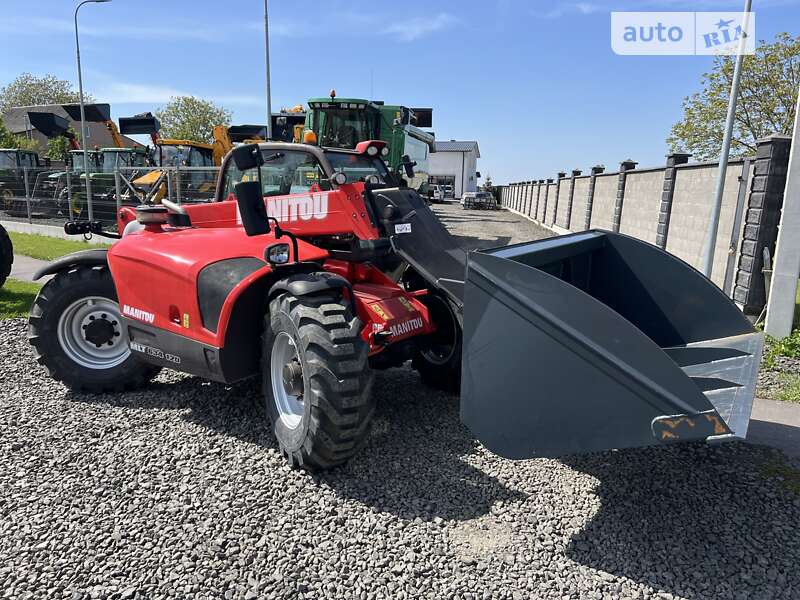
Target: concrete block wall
691,211
604,201
670,207
579,197
639,216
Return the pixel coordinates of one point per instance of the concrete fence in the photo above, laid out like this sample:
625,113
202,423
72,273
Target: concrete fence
670,207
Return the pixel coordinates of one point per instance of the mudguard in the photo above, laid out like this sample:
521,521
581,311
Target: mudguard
596,340
96,257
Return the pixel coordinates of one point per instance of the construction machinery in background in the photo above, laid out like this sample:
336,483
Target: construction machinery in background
288,124
6,255
567,345
167,152
15,186
346,122
53,189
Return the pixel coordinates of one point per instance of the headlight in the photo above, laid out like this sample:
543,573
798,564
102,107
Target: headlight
385,151
339,178
372,151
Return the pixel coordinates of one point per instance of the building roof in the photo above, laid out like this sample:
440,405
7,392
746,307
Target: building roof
455,146
16,121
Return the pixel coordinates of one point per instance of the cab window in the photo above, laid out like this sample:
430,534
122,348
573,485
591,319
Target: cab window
283,173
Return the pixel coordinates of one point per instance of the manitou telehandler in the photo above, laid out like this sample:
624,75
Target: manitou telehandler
6,255
314,266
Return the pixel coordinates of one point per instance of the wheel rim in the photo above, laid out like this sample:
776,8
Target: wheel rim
90,332
286,375
443,342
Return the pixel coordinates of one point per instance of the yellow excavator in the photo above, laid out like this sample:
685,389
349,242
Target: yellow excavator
169,152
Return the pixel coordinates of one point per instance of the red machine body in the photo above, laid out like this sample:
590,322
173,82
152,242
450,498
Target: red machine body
159,276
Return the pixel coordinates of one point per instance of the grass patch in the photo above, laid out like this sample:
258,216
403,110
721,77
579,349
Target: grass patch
45,247
16,298
789,390
779,468
788,346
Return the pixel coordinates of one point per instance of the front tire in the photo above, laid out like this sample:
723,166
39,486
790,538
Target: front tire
438,358
316,380
78,335
6,255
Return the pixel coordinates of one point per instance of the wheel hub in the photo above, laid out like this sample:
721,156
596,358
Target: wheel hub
90,333
293,378
100,331
286,374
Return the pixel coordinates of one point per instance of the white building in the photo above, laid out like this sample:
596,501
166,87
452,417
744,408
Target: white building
455,164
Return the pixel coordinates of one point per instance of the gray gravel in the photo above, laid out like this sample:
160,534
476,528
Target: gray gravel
178,491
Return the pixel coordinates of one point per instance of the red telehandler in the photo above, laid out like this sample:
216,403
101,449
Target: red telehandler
314,266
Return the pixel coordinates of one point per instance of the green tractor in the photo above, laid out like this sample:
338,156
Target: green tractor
344,122
13,162
104,189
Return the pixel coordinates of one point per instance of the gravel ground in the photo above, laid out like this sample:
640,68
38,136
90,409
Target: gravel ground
178,491
772,380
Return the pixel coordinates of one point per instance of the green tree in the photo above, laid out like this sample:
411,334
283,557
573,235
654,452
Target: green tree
9,140
30,90
191,118
766,102
58,147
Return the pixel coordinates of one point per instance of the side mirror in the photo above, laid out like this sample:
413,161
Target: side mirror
247,157
252,209
408,165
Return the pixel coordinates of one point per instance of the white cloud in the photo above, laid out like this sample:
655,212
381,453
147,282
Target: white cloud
120,92
418,27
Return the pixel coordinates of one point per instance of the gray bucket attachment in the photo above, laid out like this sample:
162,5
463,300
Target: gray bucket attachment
96,113
242,133
596,340
50,124
142,124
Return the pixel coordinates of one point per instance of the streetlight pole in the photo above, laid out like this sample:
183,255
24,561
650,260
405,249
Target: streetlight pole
84,131
266,53
716,208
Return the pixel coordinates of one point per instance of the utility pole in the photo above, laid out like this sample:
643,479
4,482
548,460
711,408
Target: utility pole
716,208
84,130
266,54
786,267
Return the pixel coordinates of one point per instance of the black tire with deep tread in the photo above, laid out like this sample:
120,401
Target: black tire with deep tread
61,291
337,380
446,375
6,255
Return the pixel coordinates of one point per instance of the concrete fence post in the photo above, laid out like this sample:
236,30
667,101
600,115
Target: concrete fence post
596,170
762,215
528,194
575,173
546,200
560,175
538,198
667,193
624,167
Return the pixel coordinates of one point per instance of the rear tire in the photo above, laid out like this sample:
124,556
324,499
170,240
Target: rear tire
78,335
438,359
6,255
316,380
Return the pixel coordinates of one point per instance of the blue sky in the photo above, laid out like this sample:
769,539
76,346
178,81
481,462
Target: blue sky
535,82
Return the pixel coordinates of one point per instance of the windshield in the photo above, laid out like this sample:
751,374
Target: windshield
77,161
357,167
8,160
115,159
173,156
343,128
